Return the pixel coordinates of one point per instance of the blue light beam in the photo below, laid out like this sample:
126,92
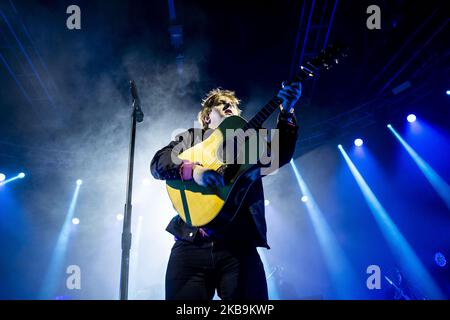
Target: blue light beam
340,270
19,176
54,273
399,246
441,187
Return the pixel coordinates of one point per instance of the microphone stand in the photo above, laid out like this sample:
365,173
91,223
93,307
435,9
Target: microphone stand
136,116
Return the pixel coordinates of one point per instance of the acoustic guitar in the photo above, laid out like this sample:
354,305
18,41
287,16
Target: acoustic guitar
216,207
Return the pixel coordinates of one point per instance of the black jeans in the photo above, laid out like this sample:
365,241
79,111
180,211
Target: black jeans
195,271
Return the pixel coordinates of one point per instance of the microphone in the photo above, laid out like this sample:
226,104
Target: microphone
136,102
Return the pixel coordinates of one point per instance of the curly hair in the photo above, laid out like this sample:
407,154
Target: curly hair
212,99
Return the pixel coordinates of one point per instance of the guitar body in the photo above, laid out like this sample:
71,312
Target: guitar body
200,206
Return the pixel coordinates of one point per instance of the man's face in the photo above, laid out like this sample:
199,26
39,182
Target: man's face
224,108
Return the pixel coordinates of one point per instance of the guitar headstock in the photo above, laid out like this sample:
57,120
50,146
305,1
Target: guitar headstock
325,60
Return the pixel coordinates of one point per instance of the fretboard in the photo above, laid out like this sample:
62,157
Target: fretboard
263,114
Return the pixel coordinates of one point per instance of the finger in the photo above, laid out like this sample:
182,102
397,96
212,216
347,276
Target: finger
283,95
293,90
218,180
205,178
209,182
294,94
296,87
288,96
212,179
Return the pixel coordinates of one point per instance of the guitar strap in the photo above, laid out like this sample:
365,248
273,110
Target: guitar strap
185,206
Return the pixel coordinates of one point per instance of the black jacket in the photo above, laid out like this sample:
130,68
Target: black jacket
163,168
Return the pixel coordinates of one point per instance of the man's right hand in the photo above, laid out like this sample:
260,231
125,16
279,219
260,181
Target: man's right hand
206,177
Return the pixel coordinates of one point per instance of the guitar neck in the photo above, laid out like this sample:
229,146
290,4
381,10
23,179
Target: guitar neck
325,60
263,114
259,118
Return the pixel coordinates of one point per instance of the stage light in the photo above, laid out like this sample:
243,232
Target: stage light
411,118
440,260
341,272
448,92
79,182
55,269
439,184
266,202
399,246
4,181
359,142
119,217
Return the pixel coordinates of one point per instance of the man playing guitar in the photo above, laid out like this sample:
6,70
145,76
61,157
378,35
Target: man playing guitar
204,260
